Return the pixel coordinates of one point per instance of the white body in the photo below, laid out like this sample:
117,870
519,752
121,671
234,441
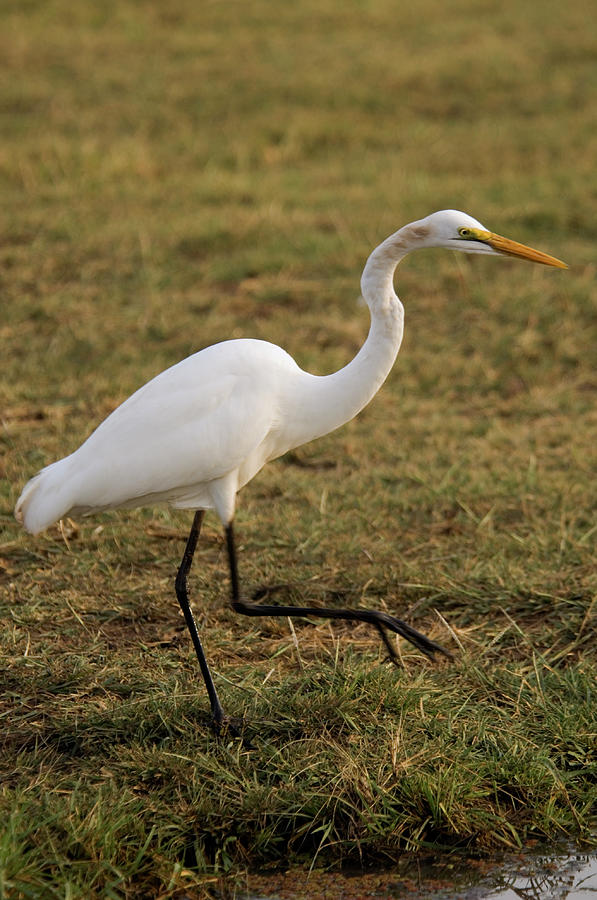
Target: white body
198,432
193,436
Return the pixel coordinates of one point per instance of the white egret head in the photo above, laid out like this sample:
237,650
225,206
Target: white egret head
456,230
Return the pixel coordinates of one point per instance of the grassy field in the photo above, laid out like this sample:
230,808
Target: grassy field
177,175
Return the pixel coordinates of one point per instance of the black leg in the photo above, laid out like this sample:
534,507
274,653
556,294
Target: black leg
183,599
382,621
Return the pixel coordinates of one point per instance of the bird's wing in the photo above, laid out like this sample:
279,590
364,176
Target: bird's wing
177,431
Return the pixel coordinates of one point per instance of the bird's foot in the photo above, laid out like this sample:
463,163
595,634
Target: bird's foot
229,726
419,640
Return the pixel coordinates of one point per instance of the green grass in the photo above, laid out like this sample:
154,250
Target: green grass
173,177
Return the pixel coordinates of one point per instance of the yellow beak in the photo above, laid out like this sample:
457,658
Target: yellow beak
513,248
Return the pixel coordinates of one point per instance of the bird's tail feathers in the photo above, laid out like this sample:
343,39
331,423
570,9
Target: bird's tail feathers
45,498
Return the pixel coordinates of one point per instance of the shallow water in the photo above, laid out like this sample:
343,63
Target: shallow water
563,874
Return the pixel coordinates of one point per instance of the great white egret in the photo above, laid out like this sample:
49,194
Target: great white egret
199,431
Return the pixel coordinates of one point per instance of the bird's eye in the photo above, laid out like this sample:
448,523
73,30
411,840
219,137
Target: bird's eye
464,232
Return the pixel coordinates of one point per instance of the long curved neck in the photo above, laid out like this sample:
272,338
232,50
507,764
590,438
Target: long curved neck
329,401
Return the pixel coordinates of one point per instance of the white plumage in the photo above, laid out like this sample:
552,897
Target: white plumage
199,431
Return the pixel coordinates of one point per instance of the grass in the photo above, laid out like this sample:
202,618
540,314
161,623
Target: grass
173,177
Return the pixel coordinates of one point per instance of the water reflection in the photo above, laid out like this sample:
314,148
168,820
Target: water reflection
565,874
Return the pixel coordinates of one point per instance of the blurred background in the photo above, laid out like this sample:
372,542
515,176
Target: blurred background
176,176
